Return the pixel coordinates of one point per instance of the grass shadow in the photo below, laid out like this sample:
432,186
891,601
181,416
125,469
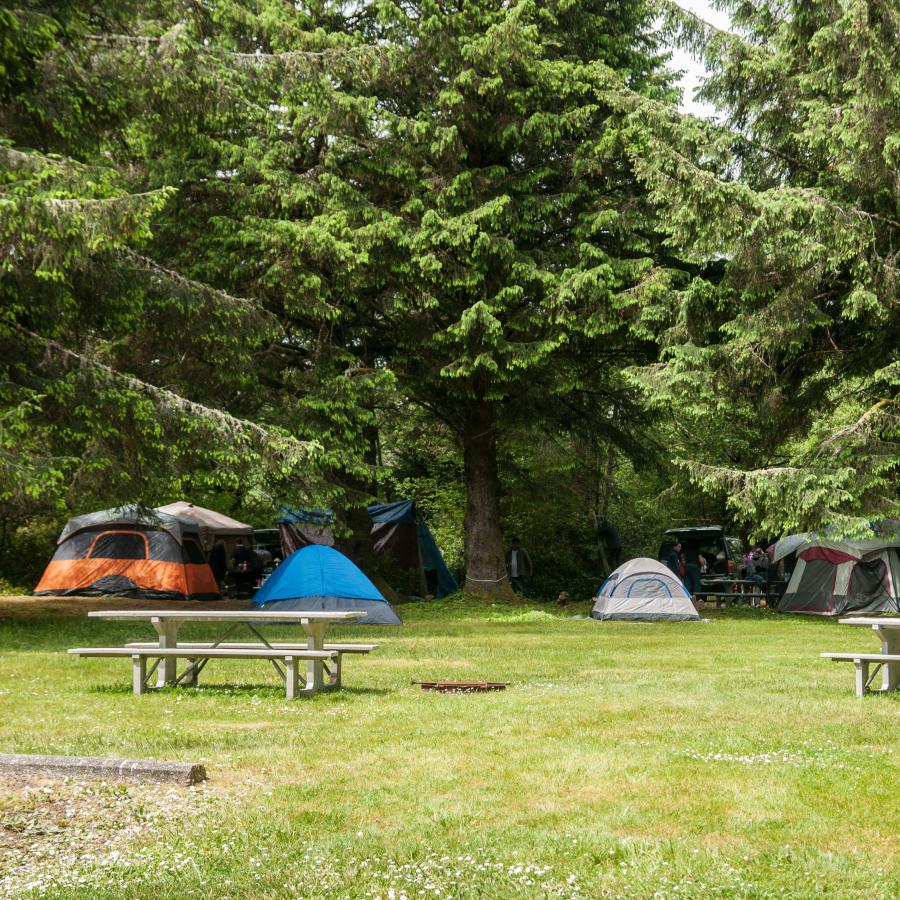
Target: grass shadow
275,691
362,691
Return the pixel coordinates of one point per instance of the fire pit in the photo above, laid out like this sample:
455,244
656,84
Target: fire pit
462,687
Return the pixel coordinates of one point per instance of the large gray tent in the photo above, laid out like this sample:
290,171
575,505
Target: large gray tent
832,577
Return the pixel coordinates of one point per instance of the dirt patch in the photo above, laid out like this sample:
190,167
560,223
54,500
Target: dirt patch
56,834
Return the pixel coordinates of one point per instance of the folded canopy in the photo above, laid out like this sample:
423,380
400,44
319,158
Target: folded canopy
210,521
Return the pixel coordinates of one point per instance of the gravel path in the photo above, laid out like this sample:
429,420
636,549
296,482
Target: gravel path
56,835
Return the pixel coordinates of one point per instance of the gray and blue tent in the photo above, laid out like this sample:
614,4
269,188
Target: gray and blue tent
643,589
400,535
321,578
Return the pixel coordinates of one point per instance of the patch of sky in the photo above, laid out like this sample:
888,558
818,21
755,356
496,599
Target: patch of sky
693,71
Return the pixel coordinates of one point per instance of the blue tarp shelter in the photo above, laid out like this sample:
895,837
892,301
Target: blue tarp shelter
399,533
322,578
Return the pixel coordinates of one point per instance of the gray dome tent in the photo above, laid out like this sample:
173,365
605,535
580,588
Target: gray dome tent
643,589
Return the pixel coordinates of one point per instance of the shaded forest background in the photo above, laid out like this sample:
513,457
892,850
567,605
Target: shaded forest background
330,253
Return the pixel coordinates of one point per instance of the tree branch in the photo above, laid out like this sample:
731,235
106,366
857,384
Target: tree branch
222,421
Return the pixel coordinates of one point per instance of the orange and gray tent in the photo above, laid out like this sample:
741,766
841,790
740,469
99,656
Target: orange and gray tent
130,552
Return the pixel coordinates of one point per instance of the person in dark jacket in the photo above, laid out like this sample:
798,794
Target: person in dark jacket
609,535
518,566
246,567
691,577
241,556
674,560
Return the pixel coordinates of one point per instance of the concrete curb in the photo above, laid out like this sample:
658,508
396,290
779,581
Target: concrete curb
99,768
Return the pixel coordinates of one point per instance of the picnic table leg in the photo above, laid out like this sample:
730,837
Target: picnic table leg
290,677
334,681
862,676
315,634
168,637
890,671
138,673
189,676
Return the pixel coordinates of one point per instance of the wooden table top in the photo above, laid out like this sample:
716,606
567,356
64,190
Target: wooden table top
201,615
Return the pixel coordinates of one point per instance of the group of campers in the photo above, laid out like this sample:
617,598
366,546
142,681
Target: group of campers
690,565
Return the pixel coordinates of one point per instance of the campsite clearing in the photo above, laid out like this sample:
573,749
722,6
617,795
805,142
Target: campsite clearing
722,758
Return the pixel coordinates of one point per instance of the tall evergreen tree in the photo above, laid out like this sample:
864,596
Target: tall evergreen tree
437,194
440,195
466,214
116,371
785,369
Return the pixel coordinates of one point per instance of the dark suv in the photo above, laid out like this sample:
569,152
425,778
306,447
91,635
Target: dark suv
723,553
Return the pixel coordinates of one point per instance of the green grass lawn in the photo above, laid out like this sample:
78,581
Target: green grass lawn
650,760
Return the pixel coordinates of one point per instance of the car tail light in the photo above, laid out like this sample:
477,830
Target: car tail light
731,567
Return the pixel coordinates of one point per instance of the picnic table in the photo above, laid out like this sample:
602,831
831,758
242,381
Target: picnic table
320,659
731,588
887,630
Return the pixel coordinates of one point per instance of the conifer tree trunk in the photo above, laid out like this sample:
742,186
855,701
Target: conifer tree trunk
485,561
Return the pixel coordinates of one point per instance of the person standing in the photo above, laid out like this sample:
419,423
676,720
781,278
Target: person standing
241,557
518,566
246,569
757,574
691,576
673,561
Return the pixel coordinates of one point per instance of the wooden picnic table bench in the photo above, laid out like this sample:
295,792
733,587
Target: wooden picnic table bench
887,630
733,588
277,645
332,666
199,656
862,662
323,663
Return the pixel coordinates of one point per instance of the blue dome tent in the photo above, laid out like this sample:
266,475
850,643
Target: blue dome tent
322,578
